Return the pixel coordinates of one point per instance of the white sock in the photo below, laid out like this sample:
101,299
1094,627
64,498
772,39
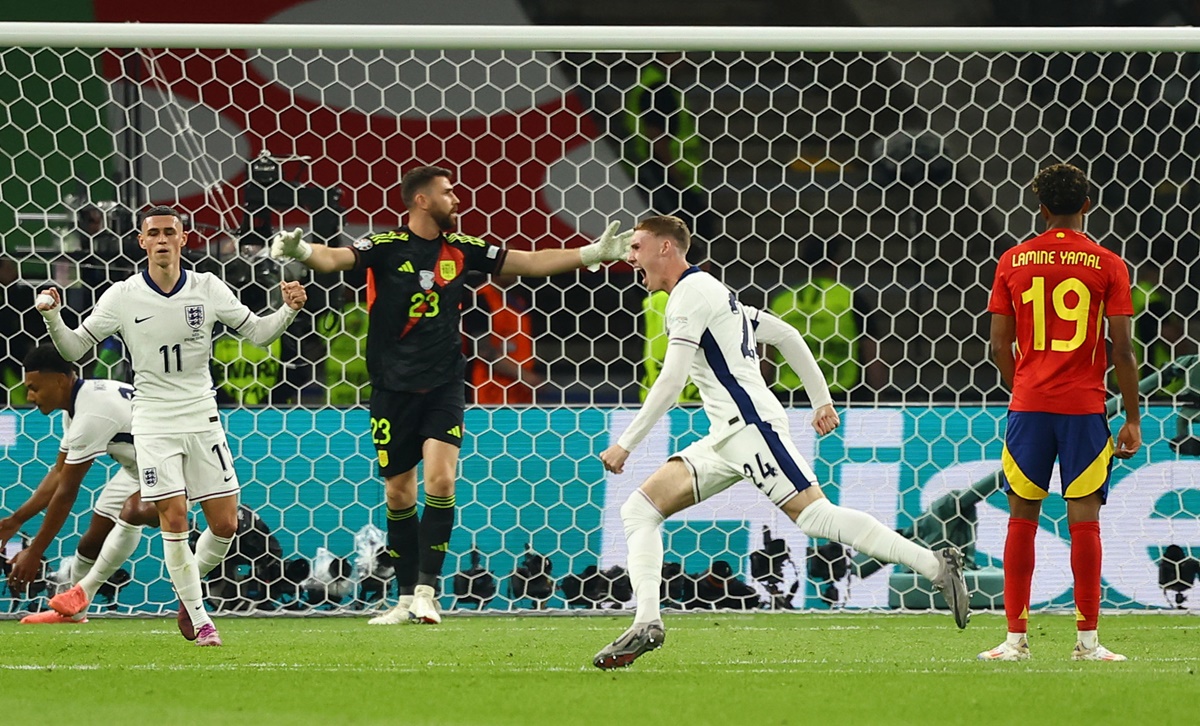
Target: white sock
211,551
643,535
1016,639
80,567
181,566
1089,639
865,534
118,546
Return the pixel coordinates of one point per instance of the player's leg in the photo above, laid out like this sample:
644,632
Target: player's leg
402,530
1028,461
441,430
125,532
765,455
670,489
394,432
1085,462
213,483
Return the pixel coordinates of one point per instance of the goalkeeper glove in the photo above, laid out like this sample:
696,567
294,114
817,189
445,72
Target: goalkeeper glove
611,246
291,245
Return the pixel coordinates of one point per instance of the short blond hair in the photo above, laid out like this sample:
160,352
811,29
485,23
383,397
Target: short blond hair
664,225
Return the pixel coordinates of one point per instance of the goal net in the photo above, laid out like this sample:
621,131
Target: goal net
859,184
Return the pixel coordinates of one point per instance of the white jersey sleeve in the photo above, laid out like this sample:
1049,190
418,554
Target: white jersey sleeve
98,325
773,331
230,311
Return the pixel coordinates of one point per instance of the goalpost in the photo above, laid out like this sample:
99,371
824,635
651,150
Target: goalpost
901,155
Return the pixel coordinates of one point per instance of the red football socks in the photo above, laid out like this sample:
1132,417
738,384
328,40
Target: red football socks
1018,572
1086,556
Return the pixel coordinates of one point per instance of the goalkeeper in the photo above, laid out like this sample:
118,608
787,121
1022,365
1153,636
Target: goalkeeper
416,277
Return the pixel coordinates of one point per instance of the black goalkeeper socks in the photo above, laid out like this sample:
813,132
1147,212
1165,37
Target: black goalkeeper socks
402,537
436,524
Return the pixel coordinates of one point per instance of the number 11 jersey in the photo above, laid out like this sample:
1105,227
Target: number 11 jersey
169,338
1060,286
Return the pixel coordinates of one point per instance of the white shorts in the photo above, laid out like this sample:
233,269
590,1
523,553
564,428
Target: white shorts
111,499
763,454
198,465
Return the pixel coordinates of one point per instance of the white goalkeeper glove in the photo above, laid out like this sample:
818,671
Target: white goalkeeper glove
611,246
291,245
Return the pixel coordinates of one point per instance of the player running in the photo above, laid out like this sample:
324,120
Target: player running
714,339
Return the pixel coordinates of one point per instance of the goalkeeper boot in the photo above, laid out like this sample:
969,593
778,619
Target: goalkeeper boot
1008,650
399,615
208,636
49,617
952,585
424,606
71,602
640,638
1098,653
183,620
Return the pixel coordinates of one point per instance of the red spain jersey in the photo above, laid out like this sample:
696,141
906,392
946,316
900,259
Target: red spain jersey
1060,286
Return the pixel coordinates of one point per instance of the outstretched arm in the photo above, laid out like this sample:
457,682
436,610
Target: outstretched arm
36,502
319,257
26,563
612,245
663,393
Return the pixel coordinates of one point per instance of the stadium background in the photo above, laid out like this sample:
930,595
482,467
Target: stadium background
922,252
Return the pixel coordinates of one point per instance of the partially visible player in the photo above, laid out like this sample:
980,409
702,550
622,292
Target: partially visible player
165,314
96,420
417,275
1050,297
714,339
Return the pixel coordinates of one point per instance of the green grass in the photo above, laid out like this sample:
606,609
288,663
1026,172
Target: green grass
715,668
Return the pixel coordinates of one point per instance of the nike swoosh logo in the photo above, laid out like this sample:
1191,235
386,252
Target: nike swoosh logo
228,479
142,320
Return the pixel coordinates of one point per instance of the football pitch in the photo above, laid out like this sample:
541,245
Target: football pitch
788,668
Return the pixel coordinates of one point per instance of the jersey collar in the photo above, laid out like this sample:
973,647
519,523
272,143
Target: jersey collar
178,285
689,271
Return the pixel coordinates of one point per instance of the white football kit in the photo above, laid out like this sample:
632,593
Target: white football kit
748,434
181,447
102,425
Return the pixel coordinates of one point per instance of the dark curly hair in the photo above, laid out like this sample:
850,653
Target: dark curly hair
1062,188
415,181
46,359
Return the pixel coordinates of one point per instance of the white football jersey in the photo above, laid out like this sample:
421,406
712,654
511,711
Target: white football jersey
703,313
102,423
169,339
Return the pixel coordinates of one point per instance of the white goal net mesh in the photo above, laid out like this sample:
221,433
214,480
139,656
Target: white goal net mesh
864,196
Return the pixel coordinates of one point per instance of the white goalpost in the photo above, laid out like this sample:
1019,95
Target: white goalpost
894,163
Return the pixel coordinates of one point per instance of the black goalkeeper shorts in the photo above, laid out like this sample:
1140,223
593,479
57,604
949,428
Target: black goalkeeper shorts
401,421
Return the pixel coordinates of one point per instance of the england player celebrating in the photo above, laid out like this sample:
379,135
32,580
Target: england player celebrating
165,315
96,420
714,339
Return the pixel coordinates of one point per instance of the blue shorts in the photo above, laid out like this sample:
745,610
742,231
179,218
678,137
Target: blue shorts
1081,443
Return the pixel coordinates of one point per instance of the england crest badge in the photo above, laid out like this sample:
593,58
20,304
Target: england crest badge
194,315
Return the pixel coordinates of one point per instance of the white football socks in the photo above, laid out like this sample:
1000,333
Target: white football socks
643,535
865,534
120,543
80,566
181,565
211,551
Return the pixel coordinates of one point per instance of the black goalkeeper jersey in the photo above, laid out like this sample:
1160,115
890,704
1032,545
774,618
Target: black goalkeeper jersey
415,293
